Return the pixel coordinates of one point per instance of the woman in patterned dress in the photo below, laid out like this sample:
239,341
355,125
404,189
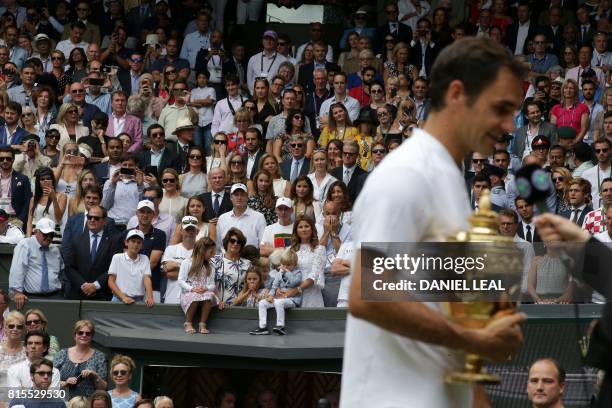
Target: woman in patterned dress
12,350
263,200
122,396
82,368
230,268
197,283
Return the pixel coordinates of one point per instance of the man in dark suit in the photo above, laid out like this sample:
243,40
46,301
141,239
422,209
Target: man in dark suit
423,44
158,156
104,171
578,192
351,174
77,224
235,64
523,22
586,29
252,143
217,201
20,191
130,79
554,30
400,32
305,75
298,165
184,132
90,257
526,226
10,125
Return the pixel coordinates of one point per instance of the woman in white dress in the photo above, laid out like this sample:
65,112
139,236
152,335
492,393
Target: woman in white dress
68,172
172,203
320,177
46,203
311,261
193,180
218,158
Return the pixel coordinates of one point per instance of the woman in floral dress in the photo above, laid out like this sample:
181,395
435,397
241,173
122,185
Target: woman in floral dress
230,269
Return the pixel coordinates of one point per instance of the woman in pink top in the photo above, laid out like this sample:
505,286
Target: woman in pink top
571,112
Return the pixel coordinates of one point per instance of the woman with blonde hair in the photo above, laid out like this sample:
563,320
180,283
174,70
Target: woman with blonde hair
121,369
67,123
63,79
400,64
172,203
571,112
606,102
36,320
28,120
167,82
235,140
83,369
12,350
218,157
406,115
339,125
76,204
319,175
562,179
82,402
70,168
237,173
163,402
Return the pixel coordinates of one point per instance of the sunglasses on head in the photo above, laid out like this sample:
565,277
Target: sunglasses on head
15,326
84,333
118,373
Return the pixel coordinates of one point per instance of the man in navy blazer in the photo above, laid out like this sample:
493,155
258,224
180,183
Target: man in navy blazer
357,177
360,18
169,158
400,32
12,115
20,186
76,224
87,268
306,72
523,17
297,165
216,181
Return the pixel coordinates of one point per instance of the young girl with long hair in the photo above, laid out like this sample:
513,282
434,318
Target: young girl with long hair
197,282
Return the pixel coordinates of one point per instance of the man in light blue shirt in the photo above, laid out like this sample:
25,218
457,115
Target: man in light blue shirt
197,40
122,191
94,94
37,266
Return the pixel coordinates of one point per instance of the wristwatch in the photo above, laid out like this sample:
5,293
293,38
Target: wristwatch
299,289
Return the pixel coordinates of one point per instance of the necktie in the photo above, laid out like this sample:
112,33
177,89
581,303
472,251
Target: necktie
216,205
185,148
44,280
393,28
294,171
575,216
347,176
94,248
584,32
528,236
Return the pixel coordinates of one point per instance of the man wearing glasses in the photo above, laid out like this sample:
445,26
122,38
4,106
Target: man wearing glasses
392,27
297,165
602,170
351,174
77,96
42,376
92,31
158,156
36,266
130,80
360,19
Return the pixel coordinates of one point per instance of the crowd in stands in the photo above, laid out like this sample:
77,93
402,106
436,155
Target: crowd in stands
146,157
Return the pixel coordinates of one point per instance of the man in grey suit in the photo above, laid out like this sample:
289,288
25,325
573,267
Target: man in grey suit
535,127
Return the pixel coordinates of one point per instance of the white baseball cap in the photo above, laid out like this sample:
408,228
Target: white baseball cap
45,225
134,233
284,201
146,203
189,221
238,186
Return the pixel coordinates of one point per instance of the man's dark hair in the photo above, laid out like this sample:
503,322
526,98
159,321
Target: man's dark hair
333,68
285,37
230,78
111,139
35,365
557,147
14,106
506,212
475,62
180,81
554,362
33,63
607,115
368,68
104,210
221,392
606,141
583,152
542,79
7,150
159,193
129,157
588,82
45,338
481,176
101,118
254,130
152,128
502,152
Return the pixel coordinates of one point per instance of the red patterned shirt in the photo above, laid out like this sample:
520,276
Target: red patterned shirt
594,222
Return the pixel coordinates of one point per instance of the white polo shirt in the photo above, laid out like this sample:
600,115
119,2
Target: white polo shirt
130,273
382,369
251,223
177,253
19,376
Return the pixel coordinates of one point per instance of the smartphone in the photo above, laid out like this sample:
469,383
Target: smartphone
106,69
127,171
96,81
151,171
79,378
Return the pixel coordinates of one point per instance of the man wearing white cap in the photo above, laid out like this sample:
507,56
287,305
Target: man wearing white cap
42,50
37,266
250,222
278,235
154,242
264,64
174,255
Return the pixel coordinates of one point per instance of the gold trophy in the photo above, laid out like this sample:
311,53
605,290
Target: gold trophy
472,310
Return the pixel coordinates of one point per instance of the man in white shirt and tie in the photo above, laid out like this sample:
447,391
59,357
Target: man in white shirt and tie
350,173
298,165
578,192
526,226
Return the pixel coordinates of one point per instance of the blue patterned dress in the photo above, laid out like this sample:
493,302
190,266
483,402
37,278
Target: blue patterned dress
97,362
123,402
229,276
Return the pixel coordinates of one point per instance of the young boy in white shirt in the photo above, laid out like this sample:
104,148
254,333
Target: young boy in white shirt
130,273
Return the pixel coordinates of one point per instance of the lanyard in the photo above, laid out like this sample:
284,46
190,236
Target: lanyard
231,108
272,63
564,114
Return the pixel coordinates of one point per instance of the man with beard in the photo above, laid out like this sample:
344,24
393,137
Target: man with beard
362,92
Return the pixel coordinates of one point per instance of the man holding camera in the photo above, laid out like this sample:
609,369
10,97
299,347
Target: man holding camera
424,51
30,159
179,110
130,80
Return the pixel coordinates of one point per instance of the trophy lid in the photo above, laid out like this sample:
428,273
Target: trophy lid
484,220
